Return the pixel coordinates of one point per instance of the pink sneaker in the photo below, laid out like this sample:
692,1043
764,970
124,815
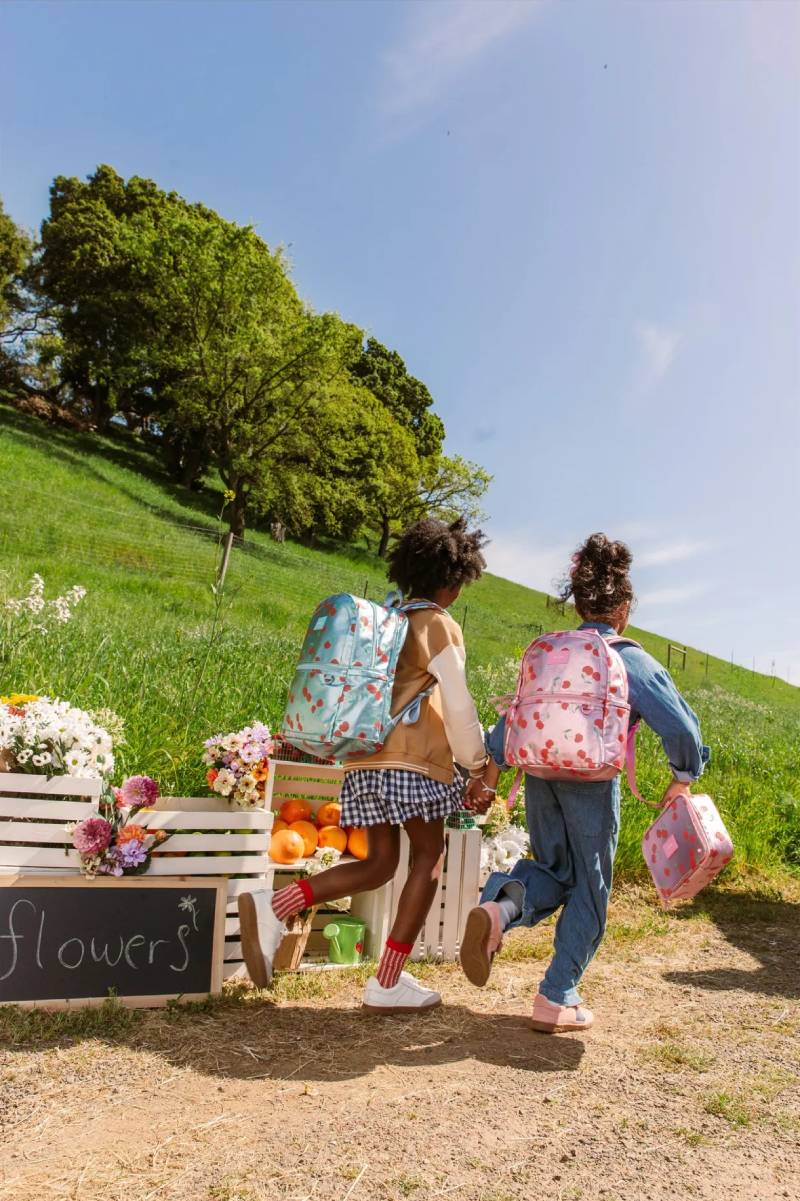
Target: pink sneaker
483,938
550,1018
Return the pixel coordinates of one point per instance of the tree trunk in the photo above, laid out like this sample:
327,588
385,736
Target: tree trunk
237,512
383,545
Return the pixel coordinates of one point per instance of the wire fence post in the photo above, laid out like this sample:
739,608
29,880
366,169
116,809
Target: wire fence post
706,662
464,618
365,593
226,555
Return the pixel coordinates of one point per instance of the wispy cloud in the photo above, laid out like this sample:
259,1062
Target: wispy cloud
658,346
538,566
672,597
671,552
442,40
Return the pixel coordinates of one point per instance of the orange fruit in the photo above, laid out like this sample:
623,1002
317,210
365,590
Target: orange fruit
333,836
308,833
279,824
286,846
357,843
329,814
295,810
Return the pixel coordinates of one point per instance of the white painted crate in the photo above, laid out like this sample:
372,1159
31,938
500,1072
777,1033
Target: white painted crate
34,814
214,840
457,893
319,783
458,889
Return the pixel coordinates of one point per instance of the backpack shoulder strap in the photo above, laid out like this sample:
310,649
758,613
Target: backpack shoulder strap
620,640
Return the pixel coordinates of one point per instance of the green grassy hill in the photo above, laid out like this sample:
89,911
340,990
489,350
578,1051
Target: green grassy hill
148,643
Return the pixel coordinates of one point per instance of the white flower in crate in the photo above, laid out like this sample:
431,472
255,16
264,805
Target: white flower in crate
39,733
503,851
320,861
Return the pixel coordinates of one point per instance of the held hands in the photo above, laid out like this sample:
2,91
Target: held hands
479,796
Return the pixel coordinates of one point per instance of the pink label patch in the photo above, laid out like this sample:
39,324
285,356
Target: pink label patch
670,846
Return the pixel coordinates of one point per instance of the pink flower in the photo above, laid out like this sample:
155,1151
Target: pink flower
139,791
92,836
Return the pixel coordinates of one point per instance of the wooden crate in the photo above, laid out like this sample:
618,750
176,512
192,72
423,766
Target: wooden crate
34,813
458,889
457,893
319,783
214,840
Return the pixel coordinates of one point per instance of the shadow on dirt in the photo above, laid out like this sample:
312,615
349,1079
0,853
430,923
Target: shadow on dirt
764,927
256,1040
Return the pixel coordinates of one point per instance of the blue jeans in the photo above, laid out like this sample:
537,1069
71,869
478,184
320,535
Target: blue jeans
574,830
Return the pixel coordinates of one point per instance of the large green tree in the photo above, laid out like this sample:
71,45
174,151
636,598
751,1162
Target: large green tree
251,367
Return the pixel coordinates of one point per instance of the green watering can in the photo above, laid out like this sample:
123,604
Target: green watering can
345,939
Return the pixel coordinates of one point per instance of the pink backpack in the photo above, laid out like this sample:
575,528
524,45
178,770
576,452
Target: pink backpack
569,720
569,716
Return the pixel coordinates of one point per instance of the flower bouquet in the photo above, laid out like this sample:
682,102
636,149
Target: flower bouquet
38,734
502,851
238,765
111,843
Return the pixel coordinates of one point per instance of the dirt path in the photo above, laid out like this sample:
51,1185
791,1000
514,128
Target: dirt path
688,1086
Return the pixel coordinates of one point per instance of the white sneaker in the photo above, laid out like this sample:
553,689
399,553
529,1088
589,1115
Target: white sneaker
261,934
407,996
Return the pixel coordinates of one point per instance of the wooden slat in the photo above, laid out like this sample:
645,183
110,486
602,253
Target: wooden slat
306,790
40,857
233,950
450,909
470,877
432,932
285,769
57,811
233,971
55,786
220,843
233,821
299,865
237,887
202,865
52,832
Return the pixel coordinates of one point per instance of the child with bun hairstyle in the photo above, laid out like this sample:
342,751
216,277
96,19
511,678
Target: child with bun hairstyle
574,825
410,783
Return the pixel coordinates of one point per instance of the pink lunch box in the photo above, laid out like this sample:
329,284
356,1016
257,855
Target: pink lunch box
686,847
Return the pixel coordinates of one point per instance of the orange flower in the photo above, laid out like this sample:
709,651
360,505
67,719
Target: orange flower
211,775
260,771
129,832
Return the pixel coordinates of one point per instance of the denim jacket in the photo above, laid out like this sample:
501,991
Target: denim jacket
654,698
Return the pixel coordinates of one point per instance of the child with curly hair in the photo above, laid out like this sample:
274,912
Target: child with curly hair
409,783
574,824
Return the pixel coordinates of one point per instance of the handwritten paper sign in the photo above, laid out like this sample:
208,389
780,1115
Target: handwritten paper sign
65,939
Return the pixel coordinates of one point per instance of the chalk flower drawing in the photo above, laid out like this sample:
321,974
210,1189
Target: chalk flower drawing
188,904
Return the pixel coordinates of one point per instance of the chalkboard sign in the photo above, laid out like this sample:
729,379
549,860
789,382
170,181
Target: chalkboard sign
72,939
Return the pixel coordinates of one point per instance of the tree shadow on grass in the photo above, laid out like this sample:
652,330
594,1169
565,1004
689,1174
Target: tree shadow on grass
256,1040
763,926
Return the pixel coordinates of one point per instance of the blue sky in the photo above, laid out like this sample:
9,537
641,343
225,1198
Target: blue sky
579,224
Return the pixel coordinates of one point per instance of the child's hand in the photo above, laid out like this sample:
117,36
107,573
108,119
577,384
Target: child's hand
676,788
478,798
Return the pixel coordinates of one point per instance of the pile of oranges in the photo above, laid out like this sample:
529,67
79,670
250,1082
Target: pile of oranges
297,832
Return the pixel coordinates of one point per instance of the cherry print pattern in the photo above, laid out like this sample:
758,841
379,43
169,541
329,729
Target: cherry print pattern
548,726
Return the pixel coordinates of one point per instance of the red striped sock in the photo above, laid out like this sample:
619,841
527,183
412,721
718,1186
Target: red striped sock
392,962
292,899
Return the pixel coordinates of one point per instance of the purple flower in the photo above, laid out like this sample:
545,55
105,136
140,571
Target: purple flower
130,854
139,791
92,836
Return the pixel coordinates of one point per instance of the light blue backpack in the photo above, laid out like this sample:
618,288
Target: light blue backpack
340,700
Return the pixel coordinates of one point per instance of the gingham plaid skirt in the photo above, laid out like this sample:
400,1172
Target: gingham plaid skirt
372,797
